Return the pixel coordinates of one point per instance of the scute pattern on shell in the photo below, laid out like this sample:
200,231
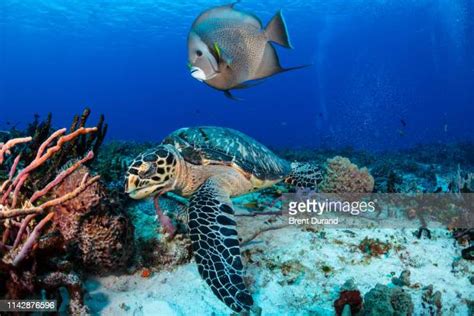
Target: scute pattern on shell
208,144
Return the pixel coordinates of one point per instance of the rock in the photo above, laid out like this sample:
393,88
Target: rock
403,279
349,285
432,298
437,300
427,293
401,302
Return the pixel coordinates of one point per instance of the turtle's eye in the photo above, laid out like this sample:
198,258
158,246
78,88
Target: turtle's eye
199,53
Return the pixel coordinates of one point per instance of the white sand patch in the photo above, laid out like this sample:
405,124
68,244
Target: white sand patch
286,273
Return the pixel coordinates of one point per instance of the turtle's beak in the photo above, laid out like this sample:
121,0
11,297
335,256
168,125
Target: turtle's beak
138,193
131,184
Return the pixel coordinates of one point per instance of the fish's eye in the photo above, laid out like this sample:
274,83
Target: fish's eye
199,53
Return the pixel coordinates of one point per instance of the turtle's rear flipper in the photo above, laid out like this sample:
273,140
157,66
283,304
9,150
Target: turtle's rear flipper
216,245
305,175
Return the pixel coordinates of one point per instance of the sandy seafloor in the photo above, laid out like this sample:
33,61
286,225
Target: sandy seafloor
286,272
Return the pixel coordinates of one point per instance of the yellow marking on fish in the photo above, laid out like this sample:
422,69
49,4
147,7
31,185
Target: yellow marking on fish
217,49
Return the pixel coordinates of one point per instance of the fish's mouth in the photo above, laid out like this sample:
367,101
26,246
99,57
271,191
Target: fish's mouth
200,75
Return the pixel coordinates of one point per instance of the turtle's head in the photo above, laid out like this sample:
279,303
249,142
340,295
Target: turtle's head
152,173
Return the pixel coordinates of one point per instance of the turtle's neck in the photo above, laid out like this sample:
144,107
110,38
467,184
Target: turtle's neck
190,177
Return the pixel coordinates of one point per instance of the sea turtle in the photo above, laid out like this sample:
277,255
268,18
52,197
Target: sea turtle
210,165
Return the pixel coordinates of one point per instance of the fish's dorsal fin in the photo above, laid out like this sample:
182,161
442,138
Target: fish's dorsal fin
232,5
230,13
277,31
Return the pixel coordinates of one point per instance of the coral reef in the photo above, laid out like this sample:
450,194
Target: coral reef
24,217
40,130
92,224
91,235
79,146
55,218
16,219
55,280
342,176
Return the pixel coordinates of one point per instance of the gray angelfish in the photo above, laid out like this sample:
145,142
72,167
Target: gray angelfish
228,48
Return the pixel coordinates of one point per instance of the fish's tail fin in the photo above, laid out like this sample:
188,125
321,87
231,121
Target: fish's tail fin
277,32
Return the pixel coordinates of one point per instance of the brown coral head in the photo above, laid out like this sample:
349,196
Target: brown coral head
342,176
69,213
106,242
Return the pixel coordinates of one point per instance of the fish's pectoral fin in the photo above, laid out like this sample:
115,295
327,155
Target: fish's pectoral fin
221,54
277,32
228,94
217,49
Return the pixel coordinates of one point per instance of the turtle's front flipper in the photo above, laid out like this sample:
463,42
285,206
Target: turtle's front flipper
216,245
305,175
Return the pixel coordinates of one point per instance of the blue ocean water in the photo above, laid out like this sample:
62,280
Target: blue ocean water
384,75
